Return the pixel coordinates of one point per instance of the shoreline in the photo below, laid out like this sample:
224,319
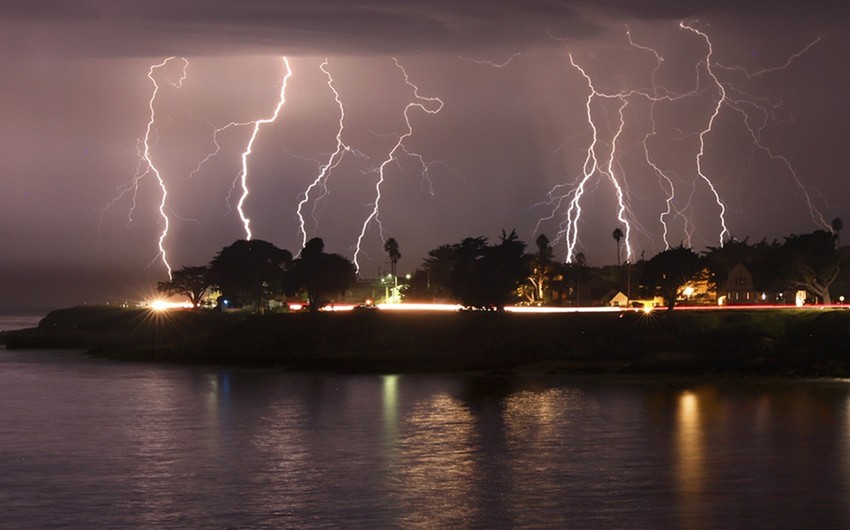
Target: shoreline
705,343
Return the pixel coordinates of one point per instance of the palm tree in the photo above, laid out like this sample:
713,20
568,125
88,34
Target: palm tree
618,235
541,268
837,225
391,247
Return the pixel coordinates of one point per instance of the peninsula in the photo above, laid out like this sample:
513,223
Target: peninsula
796,343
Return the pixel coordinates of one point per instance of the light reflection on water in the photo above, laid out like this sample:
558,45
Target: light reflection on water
690,451
88,443
438,472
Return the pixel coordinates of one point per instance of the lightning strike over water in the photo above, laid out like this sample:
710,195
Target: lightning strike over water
243,175
420,103
333,161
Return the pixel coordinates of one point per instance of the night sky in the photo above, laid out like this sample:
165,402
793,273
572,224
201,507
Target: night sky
511,136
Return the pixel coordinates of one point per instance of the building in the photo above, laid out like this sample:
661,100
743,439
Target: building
739,289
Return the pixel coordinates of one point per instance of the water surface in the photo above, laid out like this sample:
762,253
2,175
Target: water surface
93,443
10,321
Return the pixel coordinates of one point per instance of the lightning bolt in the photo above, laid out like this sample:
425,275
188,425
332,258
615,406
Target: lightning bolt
420,103
665,180
763,71
568,196
738,105
724,232
243,175
562,194
333,160
491,63
146,164
569,228
814,212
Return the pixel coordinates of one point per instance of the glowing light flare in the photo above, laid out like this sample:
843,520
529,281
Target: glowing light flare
165,305
420,103
243,175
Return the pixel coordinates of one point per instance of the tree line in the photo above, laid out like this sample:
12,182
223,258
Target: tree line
251,273
490,276
483,275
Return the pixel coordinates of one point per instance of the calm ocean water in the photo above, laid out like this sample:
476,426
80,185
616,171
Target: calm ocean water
97,444
20,320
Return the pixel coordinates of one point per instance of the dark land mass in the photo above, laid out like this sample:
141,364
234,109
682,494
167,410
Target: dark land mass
797,343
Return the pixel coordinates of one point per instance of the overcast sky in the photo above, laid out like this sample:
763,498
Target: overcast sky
511,146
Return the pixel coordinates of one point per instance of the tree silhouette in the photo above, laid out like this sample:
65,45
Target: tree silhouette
465,283
572,275
617,235
191,282
391,248
542,268
837,226
437,271
319,274
811,262
503,268
477,274
487,276
669,272
250,272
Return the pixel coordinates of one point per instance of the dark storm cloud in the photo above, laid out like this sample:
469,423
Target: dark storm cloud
505,137
121,27
129,27
674,9
46,10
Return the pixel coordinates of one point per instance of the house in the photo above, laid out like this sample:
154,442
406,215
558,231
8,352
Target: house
739,289
616,298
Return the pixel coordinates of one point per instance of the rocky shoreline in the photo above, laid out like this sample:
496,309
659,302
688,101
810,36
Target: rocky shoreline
808,343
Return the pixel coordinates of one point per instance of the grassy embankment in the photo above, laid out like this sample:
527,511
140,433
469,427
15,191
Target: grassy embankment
772,342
